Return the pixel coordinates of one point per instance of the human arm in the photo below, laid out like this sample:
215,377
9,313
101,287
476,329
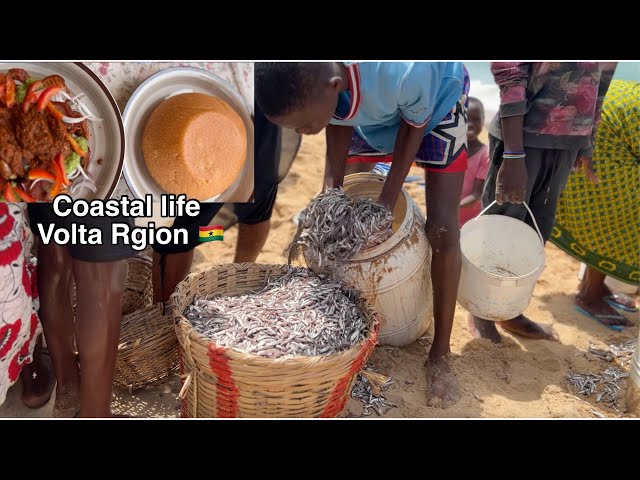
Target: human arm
338,143
408,142
512,79
475,195
585,155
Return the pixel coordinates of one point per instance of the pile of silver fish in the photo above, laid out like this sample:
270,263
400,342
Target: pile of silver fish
605,387
621,352
371,401
299,313
335,227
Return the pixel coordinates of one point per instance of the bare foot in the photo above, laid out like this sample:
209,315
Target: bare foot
522,326
67,404
601,311
38,379
442,387
481,328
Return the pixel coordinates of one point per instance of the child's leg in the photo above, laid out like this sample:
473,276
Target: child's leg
443,193
100,286
172,263
444,154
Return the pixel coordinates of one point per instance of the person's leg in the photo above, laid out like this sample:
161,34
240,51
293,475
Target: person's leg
551,169
590,296
251,239
443,191
254,223
171,266
56,315
38,378
100,286
168,271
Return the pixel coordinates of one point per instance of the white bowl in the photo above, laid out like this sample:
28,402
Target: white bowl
153,91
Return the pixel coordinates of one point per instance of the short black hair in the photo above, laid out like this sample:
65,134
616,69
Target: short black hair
478,104
282,86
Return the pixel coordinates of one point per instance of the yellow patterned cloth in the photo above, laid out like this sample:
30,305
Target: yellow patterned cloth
600,224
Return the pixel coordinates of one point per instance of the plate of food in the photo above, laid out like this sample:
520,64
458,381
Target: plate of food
189,132
60,132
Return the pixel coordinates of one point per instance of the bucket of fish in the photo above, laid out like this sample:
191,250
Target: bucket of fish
269,341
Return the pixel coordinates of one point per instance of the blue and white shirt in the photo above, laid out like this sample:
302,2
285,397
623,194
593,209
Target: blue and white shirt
382,94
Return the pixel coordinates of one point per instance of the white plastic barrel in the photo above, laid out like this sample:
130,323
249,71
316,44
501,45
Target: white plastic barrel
395,275
502,259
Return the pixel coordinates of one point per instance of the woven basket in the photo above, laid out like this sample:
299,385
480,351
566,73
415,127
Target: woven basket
224,382
148,348
139,290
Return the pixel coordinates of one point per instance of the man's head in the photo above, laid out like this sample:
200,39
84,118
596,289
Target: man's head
475,116
301,96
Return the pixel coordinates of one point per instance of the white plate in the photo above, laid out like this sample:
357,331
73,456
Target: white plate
107,136
153,91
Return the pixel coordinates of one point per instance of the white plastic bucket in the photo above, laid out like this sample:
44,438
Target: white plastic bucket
633,395
394,276
502,259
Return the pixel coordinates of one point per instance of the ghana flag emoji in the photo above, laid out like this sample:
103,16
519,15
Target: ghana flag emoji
214,232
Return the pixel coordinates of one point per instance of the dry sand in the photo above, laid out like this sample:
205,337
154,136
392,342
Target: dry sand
518,378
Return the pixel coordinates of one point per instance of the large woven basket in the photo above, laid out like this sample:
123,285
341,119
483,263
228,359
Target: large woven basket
148,347
224,382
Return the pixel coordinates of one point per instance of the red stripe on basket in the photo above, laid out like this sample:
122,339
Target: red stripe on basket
226,390
339,396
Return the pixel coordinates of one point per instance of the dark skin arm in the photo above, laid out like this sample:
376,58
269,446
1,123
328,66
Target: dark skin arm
407,144
511,184
476,193
338,143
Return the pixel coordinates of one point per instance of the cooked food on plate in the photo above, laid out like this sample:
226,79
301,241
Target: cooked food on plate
44,138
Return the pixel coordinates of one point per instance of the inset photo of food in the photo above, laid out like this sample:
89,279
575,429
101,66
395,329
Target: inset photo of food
190,131
60,132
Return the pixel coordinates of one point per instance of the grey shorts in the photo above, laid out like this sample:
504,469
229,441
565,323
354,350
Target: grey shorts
43,214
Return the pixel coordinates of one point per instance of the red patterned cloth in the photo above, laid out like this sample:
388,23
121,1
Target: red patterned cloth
19,323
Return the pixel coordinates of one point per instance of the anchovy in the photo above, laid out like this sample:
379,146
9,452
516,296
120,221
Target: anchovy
335,227
298,314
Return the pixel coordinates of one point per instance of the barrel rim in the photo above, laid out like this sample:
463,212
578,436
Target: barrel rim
403,230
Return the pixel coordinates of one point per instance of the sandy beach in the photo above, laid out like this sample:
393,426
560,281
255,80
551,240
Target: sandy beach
518,378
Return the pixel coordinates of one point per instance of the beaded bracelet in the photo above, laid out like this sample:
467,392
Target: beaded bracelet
513,155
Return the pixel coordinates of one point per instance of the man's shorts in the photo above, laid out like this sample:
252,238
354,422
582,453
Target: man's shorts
43,214
443,150
248,213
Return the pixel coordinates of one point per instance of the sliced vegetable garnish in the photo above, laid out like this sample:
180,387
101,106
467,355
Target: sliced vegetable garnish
24,195
76,147
9,193
59,162
41,174
55,190
45,97
10,92
55,113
